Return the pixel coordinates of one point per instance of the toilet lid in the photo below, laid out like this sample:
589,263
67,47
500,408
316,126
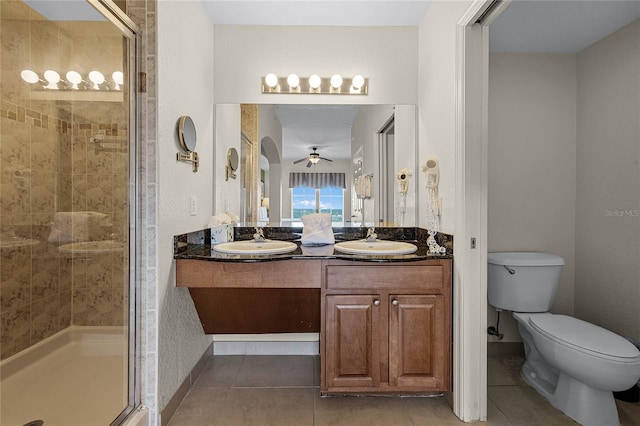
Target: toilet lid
583,335
523,258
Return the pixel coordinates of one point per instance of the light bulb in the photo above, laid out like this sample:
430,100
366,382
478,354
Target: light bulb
293,81
96,78
336,81
357,82
271,80
118,79
315,81
53,78
30,76
74,78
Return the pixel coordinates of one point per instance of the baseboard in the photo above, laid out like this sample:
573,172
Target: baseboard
497,349
266,348
170,409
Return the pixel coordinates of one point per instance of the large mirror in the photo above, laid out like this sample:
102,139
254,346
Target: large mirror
339,159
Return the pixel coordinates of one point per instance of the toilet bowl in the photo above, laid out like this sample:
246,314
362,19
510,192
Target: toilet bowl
572,363
576,365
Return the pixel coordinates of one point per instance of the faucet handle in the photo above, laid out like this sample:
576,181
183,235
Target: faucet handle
371,234
259,235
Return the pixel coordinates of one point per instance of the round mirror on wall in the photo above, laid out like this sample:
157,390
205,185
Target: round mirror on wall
232,163
187,133
187,138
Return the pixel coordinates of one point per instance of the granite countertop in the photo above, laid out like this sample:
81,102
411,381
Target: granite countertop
196,245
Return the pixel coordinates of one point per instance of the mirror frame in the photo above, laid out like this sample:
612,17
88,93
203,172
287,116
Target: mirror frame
185,125
232,163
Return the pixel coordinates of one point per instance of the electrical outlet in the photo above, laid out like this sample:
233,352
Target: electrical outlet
193,205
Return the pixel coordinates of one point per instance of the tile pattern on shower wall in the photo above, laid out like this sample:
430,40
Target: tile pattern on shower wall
48,165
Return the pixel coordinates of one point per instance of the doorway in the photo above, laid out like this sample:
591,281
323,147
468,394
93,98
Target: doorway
385,203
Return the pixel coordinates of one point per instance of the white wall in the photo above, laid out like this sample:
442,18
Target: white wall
182,90
436,102
532,167
227,135
405,147
607,290
370,120
385,55
269,127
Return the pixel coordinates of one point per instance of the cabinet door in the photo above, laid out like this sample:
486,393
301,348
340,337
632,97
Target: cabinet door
352,341
418,348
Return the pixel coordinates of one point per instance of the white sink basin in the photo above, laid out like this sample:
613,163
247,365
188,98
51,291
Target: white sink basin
252,247
375,247
92,247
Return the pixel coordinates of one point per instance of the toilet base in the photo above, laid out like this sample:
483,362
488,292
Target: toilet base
584,404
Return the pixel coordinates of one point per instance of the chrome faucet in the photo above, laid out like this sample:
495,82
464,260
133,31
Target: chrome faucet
371,234
258,237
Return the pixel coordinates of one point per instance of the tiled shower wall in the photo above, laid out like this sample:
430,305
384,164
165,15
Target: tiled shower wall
48,165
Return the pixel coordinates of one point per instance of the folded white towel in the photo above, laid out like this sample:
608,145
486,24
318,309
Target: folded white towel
71,227
323,250
317,229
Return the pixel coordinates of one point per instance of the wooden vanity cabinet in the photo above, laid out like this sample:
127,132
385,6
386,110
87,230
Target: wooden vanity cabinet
386,327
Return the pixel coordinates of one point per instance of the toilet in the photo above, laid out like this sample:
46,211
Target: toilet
574,364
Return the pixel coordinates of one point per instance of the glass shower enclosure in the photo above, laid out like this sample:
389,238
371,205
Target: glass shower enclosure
67,208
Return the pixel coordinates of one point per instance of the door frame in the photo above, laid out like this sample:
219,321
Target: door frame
470,250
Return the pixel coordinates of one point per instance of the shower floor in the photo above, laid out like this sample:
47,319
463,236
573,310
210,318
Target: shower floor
76,377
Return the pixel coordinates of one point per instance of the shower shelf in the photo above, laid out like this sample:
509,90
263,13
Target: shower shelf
101,143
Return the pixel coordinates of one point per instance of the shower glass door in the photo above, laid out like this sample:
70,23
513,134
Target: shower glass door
67,203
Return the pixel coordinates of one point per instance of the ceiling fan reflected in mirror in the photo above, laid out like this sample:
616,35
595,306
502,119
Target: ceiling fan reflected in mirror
312,158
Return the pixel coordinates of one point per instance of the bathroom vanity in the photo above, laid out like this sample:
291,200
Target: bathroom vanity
384,320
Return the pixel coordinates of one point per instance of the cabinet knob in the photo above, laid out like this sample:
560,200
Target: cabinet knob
394,302
376,302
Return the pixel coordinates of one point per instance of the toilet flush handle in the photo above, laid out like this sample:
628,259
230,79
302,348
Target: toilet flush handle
511,270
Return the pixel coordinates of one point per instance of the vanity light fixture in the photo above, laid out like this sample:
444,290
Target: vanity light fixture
336,85
51,80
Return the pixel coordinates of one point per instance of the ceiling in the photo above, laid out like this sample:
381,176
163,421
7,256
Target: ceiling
317,12
326,127
558,26
562,26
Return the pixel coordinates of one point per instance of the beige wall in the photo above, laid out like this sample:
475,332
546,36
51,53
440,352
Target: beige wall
578,117
436,103
185,87
227,135
607,290
385,55
531,159
48,166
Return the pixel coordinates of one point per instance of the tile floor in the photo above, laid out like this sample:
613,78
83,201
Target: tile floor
239,390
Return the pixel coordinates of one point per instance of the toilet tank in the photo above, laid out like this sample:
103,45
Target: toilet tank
523,281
